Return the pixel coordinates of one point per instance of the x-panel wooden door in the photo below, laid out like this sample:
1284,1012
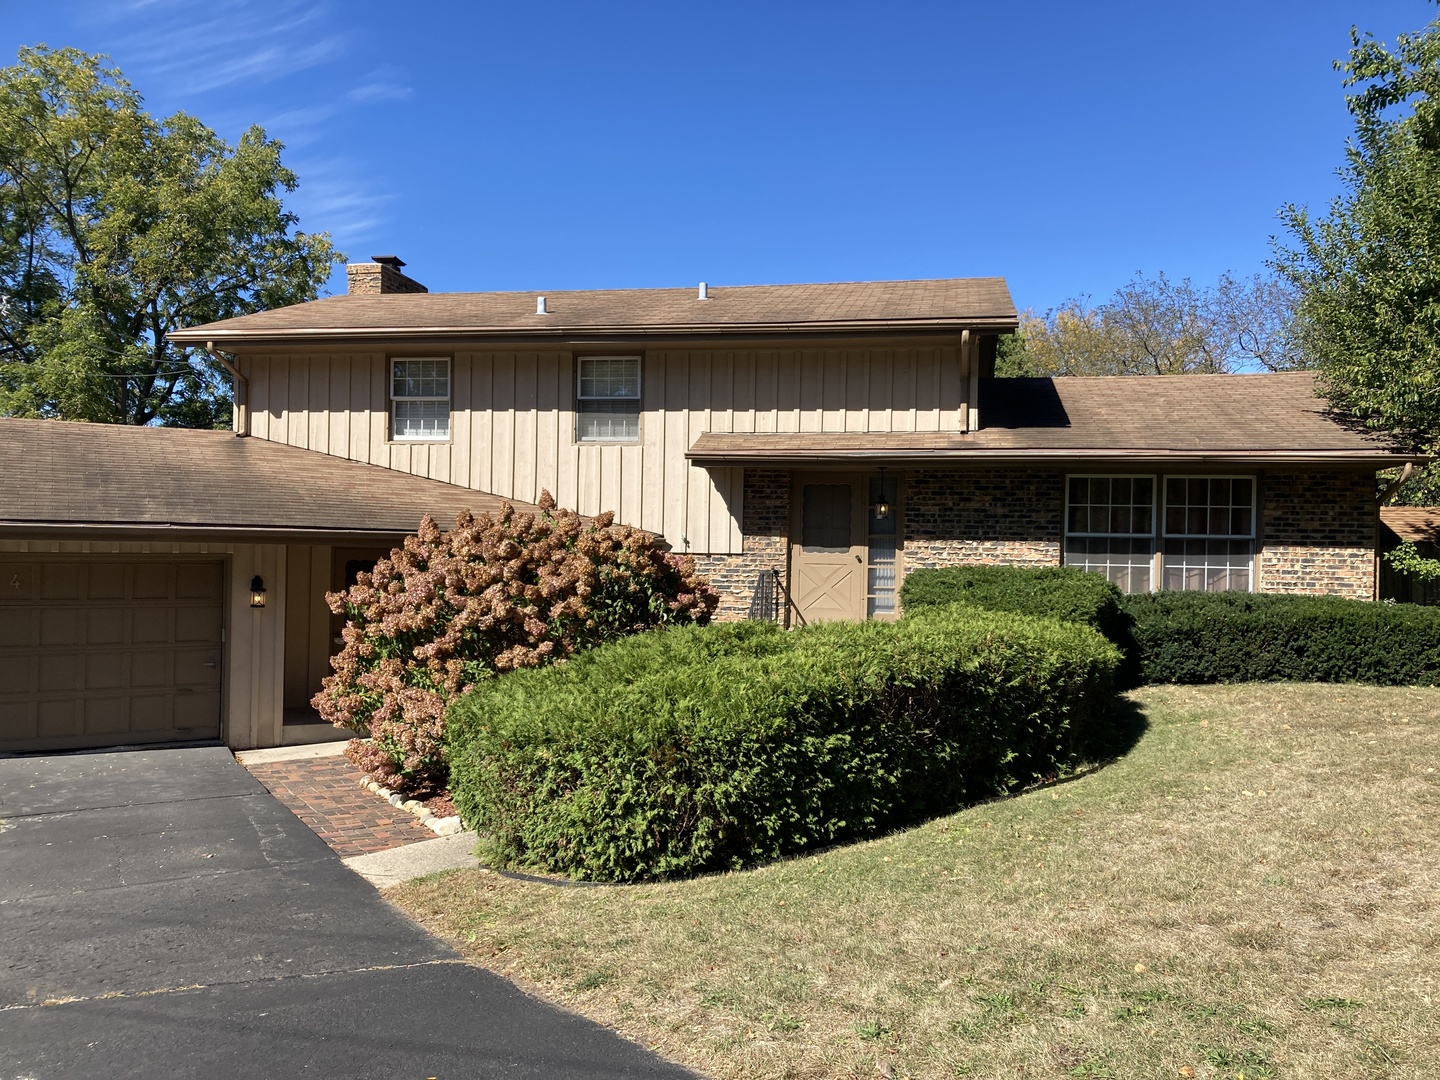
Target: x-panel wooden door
828,544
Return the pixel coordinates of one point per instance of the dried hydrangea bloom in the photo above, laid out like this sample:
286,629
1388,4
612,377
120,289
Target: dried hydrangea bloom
493,594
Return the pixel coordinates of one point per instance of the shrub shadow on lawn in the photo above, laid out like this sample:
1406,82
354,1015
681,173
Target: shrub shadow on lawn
1119,731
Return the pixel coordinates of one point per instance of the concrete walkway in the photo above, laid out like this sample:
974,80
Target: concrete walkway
165,916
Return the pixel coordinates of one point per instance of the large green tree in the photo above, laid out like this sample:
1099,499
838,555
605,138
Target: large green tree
1368,270
1159,326
116,228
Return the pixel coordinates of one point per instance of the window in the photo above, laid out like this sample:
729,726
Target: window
608,401
1209,542
419,399
1202,539
880,574
1110,528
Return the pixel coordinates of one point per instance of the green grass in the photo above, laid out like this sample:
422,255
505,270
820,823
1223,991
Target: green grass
1251,890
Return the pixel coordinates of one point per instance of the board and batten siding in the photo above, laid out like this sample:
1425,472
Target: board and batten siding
513,420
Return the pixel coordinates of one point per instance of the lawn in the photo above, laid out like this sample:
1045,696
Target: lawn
1253,889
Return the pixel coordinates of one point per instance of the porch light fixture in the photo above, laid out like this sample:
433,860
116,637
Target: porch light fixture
257,591
882,508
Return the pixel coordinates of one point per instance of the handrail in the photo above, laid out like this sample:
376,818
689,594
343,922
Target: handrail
789,603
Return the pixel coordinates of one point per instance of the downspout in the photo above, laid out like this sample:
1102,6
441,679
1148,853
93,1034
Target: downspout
970,366
1390,490
241,390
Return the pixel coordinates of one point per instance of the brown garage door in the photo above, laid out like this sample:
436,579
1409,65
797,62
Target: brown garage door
98,653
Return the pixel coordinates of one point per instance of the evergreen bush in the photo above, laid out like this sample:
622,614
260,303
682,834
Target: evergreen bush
1195,637
706,748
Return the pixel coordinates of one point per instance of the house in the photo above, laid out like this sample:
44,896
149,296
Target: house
810,441
1418,525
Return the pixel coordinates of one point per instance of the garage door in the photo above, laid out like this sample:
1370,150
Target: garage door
97,653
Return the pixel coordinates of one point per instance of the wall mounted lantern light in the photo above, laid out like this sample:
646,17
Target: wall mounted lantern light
257,591
882,508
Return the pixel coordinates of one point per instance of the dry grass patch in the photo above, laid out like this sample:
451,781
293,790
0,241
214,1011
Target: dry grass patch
1251,890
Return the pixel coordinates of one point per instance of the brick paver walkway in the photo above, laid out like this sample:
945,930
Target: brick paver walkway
325,793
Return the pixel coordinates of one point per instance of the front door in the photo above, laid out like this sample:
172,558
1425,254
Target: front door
828,545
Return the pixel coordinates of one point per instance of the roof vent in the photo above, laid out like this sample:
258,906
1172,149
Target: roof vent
704,292
540,306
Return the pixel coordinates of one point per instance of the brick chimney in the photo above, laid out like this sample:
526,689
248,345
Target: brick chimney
381,275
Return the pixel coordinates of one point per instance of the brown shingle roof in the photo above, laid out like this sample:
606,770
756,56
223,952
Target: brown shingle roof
56,473
863,305
1418,524
1157,417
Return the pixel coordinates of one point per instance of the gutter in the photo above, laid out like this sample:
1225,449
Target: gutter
240,391
963,458
515,334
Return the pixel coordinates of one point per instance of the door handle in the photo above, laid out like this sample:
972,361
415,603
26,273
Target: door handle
858,559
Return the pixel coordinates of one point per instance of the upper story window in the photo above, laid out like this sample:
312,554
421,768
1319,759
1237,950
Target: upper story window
419,399
1203,537
608,399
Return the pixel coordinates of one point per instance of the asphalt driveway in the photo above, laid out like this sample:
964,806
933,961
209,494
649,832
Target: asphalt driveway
163,915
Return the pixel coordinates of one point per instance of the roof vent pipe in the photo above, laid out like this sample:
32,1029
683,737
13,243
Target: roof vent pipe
540,306
704,292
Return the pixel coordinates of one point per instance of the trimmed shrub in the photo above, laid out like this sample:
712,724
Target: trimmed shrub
1052,592
1194,637
448,610
703,749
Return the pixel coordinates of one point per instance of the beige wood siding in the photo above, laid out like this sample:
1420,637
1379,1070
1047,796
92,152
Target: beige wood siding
513,420
307,623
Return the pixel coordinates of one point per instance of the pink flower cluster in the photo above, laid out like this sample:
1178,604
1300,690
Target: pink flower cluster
448,609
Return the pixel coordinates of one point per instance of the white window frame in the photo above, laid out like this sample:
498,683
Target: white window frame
1151,536
395,435
1159,513
638,399
1163,533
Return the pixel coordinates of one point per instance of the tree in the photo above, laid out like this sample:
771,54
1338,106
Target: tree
1161,327
116,228
1368,271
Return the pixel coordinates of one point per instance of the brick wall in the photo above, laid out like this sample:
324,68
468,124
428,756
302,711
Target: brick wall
1318,533
1318,529
1005,516
765,529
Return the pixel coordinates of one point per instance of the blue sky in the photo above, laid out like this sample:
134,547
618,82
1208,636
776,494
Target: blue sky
1064,146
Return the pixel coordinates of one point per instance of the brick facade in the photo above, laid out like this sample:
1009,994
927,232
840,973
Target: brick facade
1318,529
1010,517
1318,532
765,530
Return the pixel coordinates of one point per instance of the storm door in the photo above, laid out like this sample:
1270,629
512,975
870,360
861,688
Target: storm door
828,545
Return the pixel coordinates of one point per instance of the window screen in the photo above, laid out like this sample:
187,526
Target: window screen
1110,528
420,399
825,518
1209,542
608,402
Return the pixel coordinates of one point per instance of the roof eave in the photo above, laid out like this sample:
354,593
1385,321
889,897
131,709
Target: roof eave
501,335
1378,459
195,532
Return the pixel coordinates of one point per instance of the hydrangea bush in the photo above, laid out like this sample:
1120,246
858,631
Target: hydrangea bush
449,609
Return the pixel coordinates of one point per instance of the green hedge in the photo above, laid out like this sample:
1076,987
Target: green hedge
1052,592
1188,637
707,748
